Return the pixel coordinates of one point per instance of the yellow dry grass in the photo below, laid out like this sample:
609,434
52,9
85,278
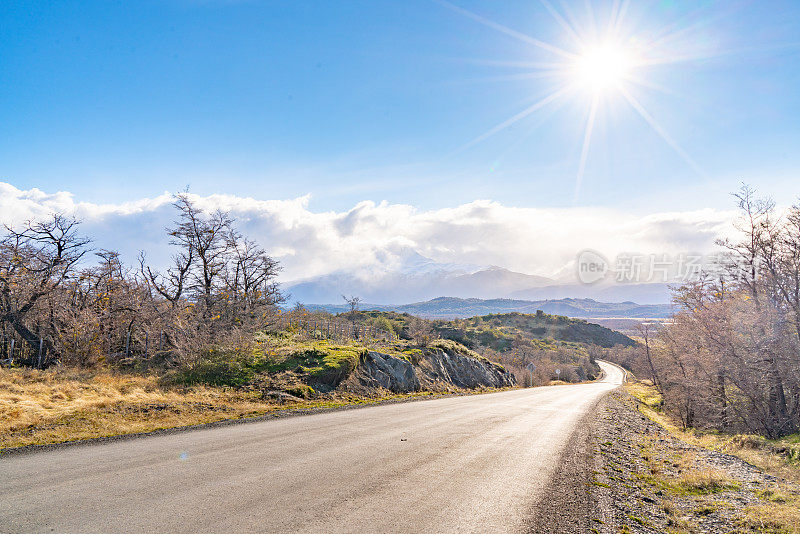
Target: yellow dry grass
778,513
44,407
779,509
39,407
772,518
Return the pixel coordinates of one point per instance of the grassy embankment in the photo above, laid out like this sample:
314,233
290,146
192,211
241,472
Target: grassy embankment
275,375
778,507
45,407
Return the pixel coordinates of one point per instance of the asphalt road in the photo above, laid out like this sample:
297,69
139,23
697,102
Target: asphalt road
461,464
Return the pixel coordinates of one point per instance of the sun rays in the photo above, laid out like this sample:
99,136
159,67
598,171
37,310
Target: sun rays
604,64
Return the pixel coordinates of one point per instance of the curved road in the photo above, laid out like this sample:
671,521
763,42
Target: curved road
461,464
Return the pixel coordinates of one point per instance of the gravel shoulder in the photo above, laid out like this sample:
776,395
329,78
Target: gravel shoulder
570,503
624,473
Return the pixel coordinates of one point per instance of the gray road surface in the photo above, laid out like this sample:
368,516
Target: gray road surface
461,464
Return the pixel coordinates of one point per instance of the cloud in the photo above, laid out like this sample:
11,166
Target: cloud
375,237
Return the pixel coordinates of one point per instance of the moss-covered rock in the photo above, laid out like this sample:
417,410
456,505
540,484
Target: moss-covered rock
302,391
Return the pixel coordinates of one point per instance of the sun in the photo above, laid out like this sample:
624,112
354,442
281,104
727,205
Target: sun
604,62
602,67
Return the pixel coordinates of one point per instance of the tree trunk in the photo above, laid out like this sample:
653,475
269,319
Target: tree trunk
723,399
33,341
779,423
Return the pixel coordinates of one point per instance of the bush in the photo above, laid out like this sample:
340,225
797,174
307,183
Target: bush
216,367
323,362
453,347
303,391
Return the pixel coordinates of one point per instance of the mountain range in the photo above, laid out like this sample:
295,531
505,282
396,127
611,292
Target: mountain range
415,278
455,308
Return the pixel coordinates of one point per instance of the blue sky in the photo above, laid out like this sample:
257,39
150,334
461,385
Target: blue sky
371,100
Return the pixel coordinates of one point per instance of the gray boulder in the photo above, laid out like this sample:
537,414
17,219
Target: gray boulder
436,370
381,370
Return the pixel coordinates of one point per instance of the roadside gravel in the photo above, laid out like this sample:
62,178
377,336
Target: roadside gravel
648,481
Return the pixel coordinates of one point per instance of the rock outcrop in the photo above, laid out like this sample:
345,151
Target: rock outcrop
434,370
462,371
376,370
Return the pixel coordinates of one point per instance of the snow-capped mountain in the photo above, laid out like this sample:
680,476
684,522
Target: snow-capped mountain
412,277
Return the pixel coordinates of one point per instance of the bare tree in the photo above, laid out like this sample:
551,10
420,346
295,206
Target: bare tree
353,303
35,262
746,254
730,359
420,331
645,331
250,274
221,286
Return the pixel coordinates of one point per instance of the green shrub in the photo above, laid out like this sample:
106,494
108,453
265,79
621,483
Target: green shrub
303,391
216,367
453,347
323,362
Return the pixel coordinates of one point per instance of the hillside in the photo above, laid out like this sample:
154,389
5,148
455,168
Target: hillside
536,347
499,331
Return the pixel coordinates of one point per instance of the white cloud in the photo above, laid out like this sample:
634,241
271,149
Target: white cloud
374,236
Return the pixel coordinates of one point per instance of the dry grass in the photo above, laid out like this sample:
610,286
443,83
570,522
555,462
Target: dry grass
49,407
745,447
778,511
680,475
43,407
772,518
557,383
703,481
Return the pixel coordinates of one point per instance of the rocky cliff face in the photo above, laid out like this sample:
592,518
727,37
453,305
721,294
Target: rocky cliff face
434,370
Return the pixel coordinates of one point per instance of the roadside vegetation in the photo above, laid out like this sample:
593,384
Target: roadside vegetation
780,456
538,348
40,407
729,361
721,382
692,476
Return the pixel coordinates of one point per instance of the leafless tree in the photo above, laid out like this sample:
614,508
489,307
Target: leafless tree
352,303
221,285
730,359
36,261
250,274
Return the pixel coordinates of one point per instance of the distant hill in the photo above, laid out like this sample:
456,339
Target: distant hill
411,277
502,331
652,293
453,308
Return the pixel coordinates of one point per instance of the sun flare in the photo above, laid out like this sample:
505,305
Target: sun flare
601,59
602,67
